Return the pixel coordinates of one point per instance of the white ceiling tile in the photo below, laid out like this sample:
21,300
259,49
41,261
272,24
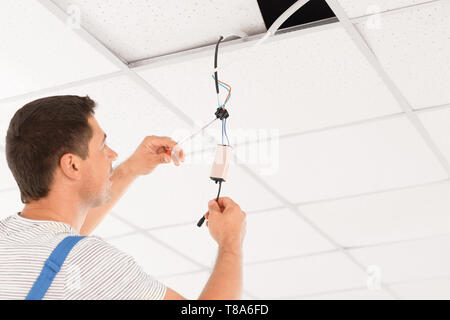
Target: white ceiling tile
408,261
110,226
437,124
345,161
365,7
144,29
270,235
192,240
363,294
128,114
10,203
125,111
436,289
172,195
302,276
154,258
281,85
190,285
390,216
6,178
280,234
412,46
40,51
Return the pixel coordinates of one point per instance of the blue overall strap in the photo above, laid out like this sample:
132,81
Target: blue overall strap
51,267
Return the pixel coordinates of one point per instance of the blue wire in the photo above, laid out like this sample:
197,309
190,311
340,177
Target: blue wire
225,130
226,101
222,130
224,122
226,88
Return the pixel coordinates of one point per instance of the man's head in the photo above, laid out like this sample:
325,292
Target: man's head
56,143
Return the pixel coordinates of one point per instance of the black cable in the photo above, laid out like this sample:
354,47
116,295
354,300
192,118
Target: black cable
202,219
215,64
218,193
216,78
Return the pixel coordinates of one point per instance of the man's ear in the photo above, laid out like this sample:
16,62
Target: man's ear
70,165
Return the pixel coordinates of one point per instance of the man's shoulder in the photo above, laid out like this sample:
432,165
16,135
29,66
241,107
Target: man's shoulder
100,249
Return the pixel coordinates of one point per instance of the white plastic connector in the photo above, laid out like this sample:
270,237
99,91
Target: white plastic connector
221,163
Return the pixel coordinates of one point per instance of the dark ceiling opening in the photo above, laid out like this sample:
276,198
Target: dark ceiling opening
313,11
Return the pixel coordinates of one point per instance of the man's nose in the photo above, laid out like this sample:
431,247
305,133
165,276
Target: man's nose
113,155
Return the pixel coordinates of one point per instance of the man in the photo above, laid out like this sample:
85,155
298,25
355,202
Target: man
62,164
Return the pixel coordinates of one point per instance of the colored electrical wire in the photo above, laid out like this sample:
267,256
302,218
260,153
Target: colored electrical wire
271,31
226,87
229,93
225,131
222,106
224,123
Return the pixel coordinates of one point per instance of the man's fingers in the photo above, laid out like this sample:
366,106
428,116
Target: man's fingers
175,160
163,158
166,142
178,154
226,202
161,141
166,158
181,155
213,206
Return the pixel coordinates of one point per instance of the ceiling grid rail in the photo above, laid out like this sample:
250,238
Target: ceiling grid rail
399,9
368,53
170,248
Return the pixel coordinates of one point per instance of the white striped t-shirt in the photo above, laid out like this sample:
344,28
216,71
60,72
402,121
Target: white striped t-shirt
94,269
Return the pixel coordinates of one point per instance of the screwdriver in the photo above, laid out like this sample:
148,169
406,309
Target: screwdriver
169,151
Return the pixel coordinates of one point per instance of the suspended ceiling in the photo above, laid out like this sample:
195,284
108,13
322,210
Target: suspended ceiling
358,178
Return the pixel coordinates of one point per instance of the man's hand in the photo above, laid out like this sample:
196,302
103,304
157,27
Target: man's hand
226,223
152,152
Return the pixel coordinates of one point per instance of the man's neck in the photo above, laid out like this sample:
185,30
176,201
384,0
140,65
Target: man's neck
74,218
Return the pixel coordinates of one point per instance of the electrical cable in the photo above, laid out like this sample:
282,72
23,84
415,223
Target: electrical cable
202,219
224,130
223,85
273,28
282,19
226,87
218,193
215,64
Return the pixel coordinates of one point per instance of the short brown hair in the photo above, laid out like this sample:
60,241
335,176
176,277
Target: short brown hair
40,133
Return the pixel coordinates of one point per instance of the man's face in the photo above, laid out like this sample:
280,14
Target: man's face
98,168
